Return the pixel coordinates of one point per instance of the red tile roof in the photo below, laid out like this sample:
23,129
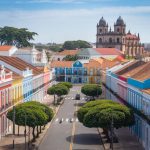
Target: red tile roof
61,64
68,52
19,64
131,66
5,47
147,91
137,70
109,51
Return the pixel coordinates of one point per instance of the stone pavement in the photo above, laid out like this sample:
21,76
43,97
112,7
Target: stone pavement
6,142
127,141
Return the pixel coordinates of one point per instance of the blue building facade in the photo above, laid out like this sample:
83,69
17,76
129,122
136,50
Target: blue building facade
77,73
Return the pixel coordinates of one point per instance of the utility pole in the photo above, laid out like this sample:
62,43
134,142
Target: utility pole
112,131
14,127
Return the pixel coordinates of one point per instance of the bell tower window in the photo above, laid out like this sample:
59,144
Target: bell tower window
118,30
100,40
110,40
118,40
100,30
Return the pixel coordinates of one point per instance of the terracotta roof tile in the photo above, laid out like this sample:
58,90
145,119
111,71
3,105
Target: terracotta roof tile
101,63
143,72
61,64
68,52
109,51
147,91
126,69
137,70
19,64
5,47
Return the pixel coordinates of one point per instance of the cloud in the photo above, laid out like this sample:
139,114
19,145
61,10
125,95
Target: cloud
61,1
58,25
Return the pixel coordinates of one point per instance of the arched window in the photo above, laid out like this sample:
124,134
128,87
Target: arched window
100,30
58,59
118,30
118,40
110,40
100,40
123,30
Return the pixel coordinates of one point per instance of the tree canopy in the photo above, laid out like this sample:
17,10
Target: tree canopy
70,45
91,90
67,84
36,114
19,37
71,58
99,113
58,89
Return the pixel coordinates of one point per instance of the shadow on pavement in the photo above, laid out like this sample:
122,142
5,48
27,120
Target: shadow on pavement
10,147
82,149
79,104
85,139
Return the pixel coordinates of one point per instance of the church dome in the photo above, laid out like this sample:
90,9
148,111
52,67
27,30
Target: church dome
102,22
120,22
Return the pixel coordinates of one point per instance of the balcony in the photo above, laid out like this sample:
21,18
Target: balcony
5,77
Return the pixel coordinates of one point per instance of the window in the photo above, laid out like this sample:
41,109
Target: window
118,30
110,40
118,40
100,40
123,30
100,30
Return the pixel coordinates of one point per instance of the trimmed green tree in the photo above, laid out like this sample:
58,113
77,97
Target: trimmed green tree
58,90
67,84
35,115
99,114
93,90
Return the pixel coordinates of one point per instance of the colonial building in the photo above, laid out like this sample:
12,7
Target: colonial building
128,43
81,71
60,55
32,56
131,82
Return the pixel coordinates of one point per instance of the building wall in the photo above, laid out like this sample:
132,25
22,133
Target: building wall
17,91
136,98
27,88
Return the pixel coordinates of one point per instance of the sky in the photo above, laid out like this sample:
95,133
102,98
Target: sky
60,20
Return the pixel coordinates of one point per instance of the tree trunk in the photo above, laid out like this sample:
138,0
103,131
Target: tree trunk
40,129
33,133
37,129
105,131
18,130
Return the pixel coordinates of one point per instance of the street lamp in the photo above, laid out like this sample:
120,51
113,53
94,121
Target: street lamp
25,129
14,127
112,131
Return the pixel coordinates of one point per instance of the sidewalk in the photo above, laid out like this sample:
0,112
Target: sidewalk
6,142
127,141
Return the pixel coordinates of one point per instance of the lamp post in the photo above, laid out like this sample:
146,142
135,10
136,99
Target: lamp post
112,131
14,127
25,129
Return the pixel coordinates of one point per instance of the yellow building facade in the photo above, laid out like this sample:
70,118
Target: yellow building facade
17,89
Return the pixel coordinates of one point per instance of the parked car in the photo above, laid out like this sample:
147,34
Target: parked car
77,97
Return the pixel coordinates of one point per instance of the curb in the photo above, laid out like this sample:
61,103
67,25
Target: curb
36,144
